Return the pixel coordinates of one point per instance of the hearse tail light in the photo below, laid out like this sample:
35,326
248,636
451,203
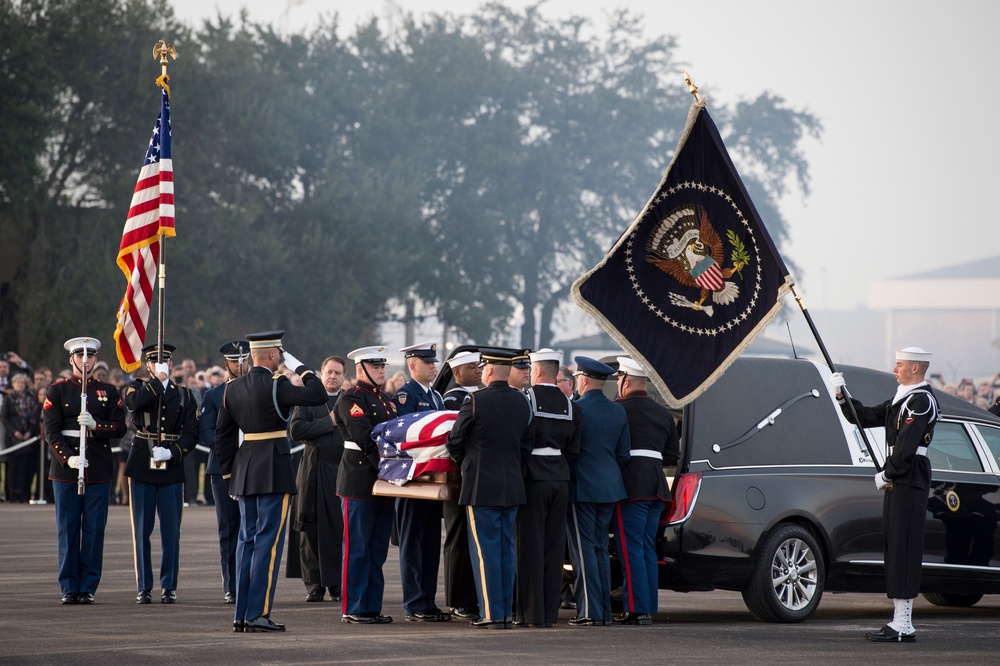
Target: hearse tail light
685,494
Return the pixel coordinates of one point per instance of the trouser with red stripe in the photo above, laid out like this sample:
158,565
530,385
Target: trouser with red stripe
367,525
634,525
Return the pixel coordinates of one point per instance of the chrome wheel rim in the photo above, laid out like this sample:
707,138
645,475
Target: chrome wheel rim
793,574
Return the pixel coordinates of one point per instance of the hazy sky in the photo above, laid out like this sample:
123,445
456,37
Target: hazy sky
902,179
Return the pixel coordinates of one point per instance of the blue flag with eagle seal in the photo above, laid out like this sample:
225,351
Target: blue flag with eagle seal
695,278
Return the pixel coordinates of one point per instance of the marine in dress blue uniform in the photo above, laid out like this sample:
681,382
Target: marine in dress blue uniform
541,522
492,428
236,355
254,454
166,422
367,518
418,522
595,488
81,519
908,418
654,445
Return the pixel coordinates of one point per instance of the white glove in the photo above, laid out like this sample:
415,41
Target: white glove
291,362
837,382
162,369
880,481
161,454
76,462
86,420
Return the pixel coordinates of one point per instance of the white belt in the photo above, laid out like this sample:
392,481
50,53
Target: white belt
71,433
546,451
921,450
646,453
352,446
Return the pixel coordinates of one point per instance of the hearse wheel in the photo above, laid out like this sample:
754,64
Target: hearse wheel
787,580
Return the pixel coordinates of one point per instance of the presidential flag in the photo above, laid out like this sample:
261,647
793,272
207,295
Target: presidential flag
414,444
695,278
150,215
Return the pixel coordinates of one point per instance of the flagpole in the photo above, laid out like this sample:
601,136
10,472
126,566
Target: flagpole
833,368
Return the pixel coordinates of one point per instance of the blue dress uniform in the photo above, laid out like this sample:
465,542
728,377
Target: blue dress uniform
595,487
541,522
418,522
81,519
164,417
227,510
654,445
491,429
255,458
367,518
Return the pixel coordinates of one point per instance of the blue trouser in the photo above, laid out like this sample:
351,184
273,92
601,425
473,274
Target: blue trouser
419,525
227,512
588,536
80,523
367,525
258,553
146,502
634,525
491,547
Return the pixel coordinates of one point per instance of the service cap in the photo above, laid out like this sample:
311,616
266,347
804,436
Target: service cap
265,339
521,359
374,355
77,345
149,352
626,366
426,350
461,358
236,350
913,354
589,367
496,356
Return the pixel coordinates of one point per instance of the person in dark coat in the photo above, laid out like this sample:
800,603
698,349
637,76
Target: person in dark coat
166,424
255,458
653,445
909,419
491,430
81,519
541,521
367,518
459,583
316,512
595,488
235,355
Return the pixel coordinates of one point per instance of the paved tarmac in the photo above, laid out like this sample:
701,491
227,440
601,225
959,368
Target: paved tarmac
695,628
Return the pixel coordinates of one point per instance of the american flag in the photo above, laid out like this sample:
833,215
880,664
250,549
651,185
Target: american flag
414,444
150,214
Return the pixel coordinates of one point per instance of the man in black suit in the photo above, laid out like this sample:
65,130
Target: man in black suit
166,424
255,458
492,427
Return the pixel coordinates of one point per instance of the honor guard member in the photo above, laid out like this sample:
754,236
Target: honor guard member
541,522
81,519
256,461
595,488
166,423
418,522
235,357
654,445
367,518
459,583
908,418
492,427
316,513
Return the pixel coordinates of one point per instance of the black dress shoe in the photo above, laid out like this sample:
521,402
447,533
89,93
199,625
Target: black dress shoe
586,622
357,619
465,612
483,623
261,624
238,626
168,597
144,597
568,605
633,618
69,598
315,595
889,635
85,598
230,598
429,615
380,619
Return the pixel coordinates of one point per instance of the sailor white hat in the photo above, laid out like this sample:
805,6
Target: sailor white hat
461,358
546,354
913,354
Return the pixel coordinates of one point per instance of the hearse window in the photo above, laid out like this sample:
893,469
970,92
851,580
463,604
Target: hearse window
951,449
992,437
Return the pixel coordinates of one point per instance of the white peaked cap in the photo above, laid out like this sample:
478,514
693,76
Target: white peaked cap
627,366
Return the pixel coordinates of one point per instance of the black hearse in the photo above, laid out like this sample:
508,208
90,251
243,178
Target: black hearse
774,494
